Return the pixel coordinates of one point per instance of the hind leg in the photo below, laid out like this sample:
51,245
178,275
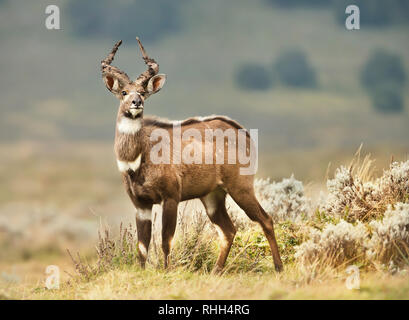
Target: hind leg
247,200
215,206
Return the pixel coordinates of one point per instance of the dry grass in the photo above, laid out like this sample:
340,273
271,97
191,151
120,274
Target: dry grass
364,219
112,270
133,283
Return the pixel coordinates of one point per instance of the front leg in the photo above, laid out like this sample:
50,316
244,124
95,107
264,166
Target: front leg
128,188
143,220
144,230
169,216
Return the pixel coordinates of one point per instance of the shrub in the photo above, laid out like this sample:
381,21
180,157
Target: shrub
111,253
352,197
390,237
250,252
120,20
334,245
194,246
383,67
384,77
387,98
283,200
394,182
293,69
379,206
253,76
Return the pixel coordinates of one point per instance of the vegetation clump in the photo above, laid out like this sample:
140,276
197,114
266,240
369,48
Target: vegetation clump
293,69
369,219
363,220
383,76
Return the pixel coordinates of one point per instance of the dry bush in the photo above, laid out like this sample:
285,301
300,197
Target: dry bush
394,183
352,194
373,230
390,236
363,220
334,245
355,195
28,230
111,253
194,248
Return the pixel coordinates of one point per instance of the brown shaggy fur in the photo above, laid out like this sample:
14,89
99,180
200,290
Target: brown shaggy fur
169,184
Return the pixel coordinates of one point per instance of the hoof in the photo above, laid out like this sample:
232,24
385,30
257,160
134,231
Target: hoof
279,267
217,271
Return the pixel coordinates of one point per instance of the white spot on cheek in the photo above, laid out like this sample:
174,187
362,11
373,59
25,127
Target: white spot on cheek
129,126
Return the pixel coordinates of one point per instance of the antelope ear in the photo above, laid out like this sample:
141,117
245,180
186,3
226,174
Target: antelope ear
156,83
113,84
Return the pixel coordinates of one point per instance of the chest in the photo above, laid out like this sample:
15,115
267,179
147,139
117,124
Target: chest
125,166
128,152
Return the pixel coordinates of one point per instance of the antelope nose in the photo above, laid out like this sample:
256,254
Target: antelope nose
137,101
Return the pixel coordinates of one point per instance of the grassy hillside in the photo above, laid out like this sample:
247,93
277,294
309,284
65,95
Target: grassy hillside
133,283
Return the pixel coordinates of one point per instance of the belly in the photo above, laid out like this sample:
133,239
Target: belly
198,181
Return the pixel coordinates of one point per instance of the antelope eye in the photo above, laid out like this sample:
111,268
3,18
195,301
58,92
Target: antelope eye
124,93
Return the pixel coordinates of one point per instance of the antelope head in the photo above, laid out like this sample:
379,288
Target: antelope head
132,94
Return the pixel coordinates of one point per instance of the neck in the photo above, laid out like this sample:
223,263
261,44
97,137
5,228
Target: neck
128,138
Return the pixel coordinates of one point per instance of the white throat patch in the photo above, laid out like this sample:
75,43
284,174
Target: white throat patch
129,126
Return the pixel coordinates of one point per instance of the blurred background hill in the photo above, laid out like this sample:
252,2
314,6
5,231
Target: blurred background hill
288,68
